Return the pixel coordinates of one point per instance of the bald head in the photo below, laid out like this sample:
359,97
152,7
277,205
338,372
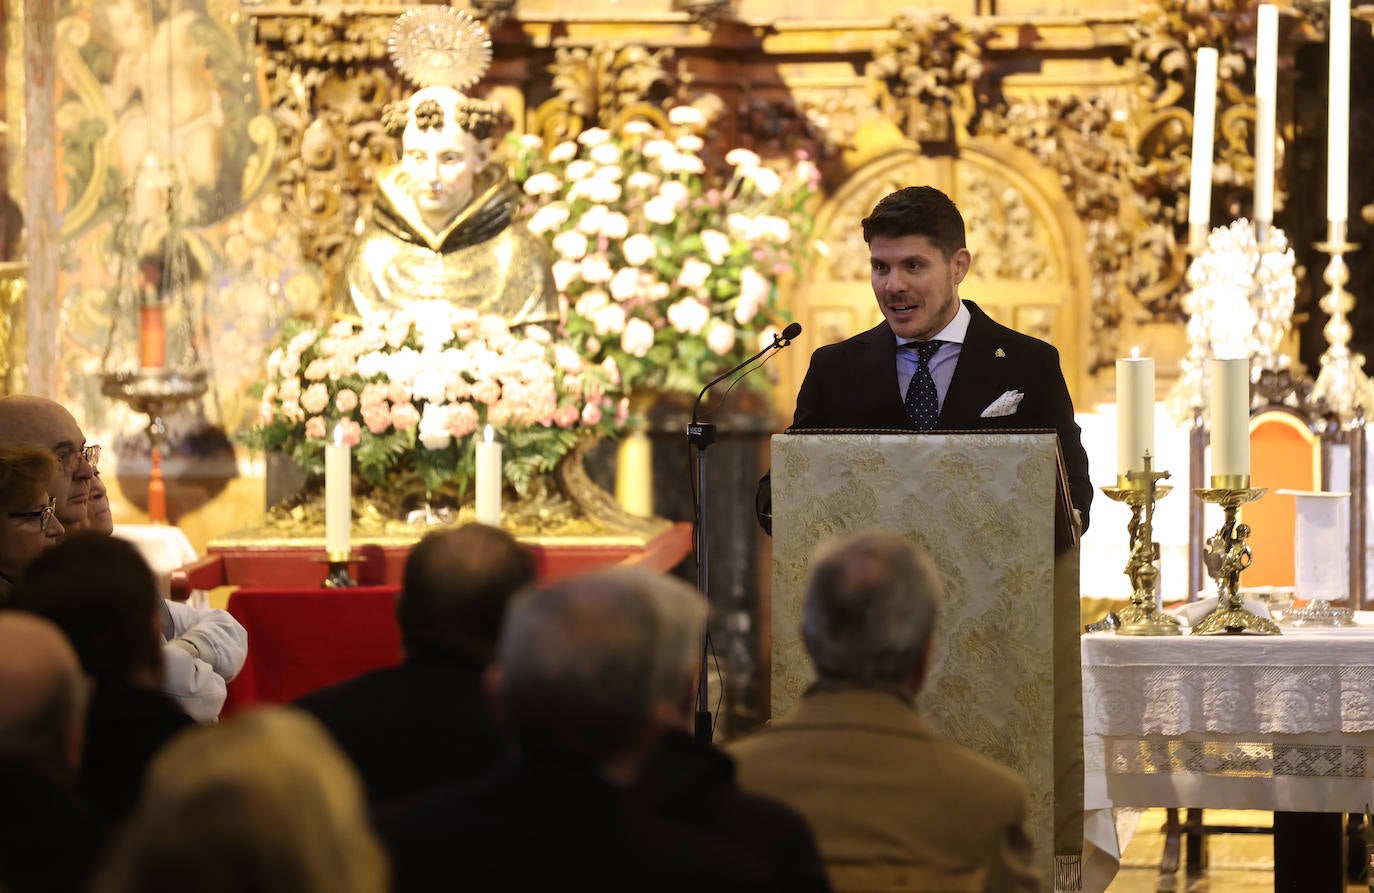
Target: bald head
42,696
40,422
577,665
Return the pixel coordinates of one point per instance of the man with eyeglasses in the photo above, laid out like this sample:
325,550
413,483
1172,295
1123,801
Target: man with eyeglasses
205,647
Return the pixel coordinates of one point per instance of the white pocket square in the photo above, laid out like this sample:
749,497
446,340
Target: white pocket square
1003,405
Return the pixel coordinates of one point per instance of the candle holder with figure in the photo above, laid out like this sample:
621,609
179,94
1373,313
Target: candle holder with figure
339,576
1140,490
1226,555
152,358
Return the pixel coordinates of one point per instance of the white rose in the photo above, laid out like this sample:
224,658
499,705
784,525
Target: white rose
590,302
658,149
743,158
567,358
594,136
694,273
595,269
610,320
639,249
660,210
766,180
681,163
753,292
543,183
606,153
625,283
717,245
579,169
686,116
603,191
615,226
570,245
774,227
689,143
434,427
637,128
638,337
563,273
564,151
642,180
674,191
720,338
549,218
689,316
591,219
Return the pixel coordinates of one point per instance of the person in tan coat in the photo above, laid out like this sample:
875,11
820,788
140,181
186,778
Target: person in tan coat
884,795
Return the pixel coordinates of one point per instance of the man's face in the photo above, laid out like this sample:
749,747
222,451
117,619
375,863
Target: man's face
48,425
98,508
916,286
442,164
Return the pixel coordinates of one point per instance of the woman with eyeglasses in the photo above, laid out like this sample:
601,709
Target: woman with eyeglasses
28,525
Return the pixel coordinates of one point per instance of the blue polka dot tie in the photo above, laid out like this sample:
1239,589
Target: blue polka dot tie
922,400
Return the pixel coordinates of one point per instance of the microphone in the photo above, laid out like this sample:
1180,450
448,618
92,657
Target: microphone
780,340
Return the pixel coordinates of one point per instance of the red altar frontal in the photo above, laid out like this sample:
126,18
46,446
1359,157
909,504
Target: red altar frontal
302,636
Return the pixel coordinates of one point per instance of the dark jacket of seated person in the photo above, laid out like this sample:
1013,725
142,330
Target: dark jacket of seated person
103,596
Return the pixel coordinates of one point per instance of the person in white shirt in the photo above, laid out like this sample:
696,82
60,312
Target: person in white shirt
205,647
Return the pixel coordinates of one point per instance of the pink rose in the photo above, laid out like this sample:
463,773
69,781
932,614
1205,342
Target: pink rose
591,414
377,417
566,416
352,432
720,338
404,416
315,427
315,398
346,400
463,420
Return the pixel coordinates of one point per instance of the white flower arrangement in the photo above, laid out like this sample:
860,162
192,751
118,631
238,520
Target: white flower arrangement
663,269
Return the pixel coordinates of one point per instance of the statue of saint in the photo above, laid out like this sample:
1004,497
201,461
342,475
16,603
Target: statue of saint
442,226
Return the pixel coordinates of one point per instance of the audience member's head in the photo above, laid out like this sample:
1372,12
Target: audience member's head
262,802
40,422
456,587
682,613
28,523
99,519
869,610
42,695
104,597
576,672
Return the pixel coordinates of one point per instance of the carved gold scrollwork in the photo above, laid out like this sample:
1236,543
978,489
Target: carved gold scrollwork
13,288
929,70
604,87
329,84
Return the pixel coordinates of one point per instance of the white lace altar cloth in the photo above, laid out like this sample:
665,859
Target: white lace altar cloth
1237,722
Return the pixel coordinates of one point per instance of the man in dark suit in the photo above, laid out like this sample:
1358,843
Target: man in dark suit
935,363
574,685
424,724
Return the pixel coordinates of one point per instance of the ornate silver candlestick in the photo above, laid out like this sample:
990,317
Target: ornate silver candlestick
1140,490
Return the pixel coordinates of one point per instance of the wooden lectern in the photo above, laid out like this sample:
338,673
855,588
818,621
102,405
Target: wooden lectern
1005,677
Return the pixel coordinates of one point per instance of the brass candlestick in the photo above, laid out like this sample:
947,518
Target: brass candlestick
1226,556
1140,490
338,576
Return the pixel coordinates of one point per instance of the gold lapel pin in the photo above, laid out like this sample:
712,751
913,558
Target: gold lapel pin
999,353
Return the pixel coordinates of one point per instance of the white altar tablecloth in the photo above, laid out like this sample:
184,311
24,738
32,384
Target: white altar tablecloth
165,548
1274,723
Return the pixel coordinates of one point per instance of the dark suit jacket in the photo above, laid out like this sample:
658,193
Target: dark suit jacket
853,384
692,782
49,839
413,728
542,825
126,725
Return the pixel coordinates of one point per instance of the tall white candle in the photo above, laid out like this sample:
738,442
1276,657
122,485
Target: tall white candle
1204,120
338,493
1135,412
1338,113
1266,96
1229,406
489,479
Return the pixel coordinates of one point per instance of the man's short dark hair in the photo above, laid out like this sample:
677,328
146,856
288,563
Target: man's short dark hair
918,211
103,596
455,590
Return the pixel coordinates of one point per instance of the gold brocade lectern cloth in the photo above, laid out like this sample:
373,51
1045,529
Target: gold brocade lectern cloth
1004,677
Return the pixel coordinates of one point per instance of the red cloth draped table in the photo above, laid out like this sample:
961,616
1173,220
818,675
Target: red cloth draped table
302,636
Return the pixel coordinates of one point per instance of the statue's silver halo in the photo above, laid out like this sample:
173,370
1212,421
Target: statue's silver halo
435,46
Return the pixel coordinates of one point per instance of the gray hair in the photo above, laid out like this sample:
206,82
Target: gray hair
681,612
578,665
870,608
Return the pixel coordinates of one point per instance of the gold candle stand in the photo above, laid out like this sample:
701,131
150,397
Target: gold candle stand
1226,556
1140,490
338,576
